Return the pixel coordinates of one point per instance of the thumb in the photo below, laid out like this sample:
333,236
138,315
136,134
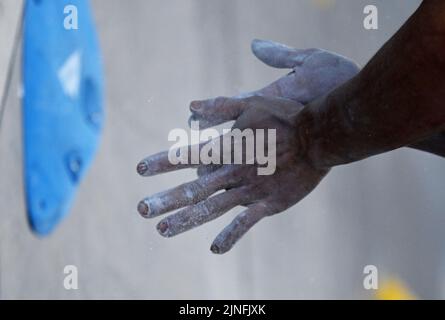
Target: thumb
278,55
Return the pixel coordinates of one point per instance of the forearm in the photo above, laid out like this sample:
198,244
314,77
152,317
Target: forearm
434,144
396,100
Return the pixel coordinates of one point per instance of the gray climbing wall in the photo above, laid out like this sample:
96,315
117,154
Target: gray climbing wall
159,55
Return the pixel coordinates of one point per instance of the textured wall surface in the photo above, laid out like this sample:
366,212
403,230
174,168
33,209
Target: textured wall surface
159,55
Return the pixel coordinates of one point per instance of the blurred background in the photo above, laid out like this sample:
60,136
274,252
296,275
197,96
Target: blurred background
159,55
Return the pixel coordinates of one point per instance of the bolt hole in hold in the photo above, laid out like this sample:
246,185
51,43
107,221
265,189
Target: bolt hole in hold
42,205
74,165
92,103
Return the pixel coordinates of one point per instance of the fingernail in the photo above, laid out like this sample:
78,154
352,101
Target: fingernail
142,167
215,249
143,209
195,105
163,228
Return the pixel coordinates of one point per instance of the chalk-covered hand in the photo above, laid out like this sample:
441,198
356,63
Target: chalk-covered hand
263,195
315,72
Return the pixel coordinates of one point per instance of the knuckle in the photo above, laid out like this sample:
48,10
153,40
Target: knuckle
206,207
269,208
220,101
253,100
193,190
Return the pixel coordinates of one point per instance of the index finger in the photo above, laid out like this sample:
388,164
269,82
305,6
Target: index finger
213,112
161,163
180,158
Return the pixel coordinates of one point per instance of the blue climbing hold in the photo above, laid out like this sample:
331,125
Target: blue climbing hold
62,105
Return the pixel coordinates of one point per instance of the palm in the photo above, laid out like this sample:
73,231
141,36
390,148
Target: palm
315,72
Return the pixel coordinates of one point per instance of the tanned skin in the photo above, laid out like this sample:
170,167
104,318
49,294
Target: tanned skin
396,100
326,113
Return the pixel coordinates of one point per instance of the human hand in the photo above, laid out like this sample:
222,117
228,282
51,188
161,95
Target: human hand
315,72
263,195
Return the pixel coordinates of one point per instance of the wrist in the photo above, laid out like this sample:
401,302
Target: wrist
323,133
308,136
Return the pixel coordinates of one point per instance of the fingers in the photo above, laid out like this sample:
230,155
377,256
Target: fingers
278,55
205,170
238,228
171,160
213,112
202,212
186,194
158,163
213,152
